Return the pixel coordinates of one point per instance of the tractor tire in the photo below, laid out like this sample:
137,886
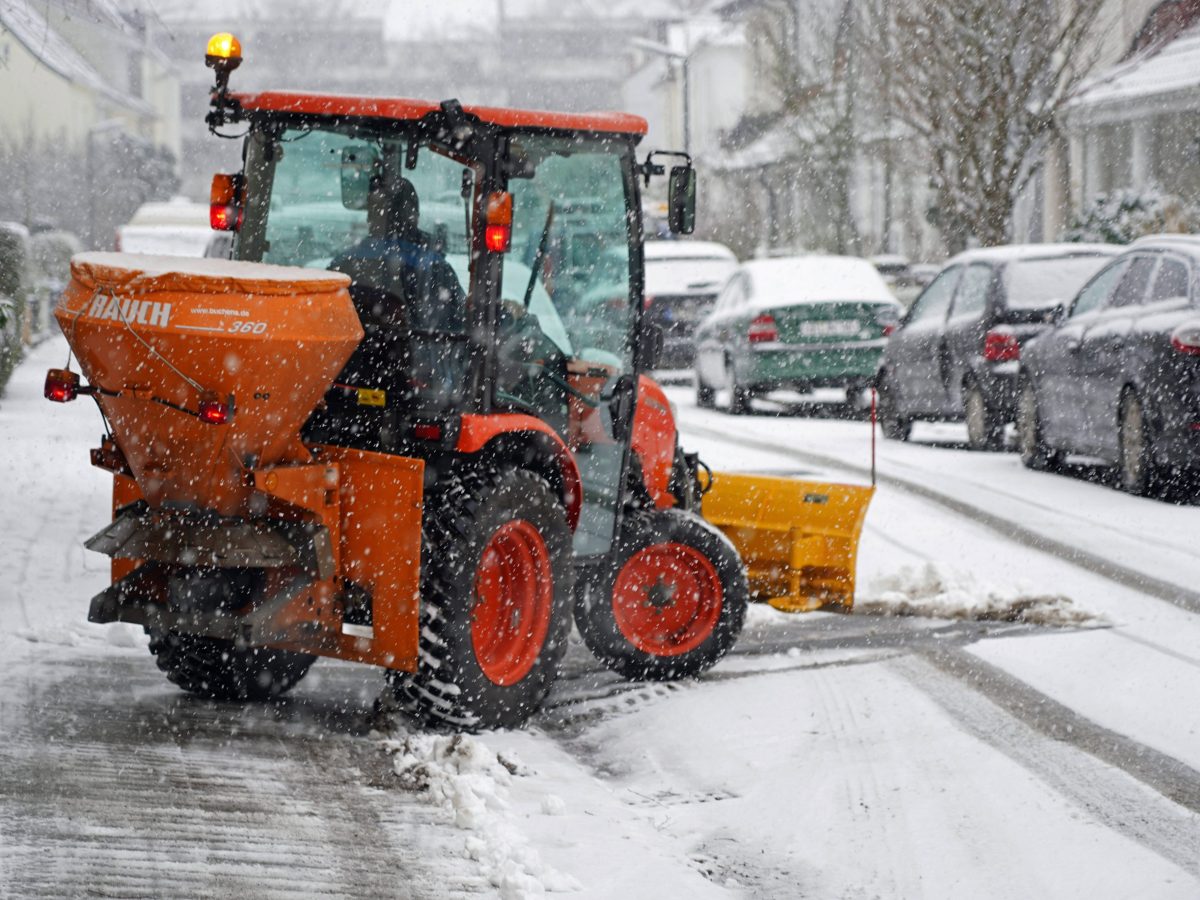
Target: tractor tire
218,670
672,603
892,424
1036,454
496,588
985,431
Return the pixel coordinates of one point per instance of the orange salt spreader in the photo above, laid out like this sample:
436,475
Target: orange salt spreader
407,423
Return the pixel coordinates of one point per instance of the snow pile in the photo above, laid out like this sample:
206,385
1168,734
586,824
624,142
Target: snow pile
471,782
941,592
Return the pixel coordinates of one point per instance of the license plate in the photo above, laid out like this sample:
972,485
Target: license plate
830,328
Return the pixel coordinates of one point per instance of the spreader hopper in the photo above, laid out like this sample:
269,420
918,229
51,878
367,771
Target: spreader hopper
205,369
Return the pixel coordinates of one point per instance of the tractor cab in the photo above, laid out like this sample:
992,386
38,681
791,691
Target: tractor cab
474,240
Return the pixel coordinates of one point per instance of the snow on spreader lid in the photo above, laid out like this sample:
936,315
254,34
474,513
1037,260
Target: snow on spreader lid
139,273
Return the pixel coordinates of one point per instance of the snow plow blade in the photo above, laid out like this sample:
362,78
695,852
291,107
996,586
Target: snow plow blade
798,539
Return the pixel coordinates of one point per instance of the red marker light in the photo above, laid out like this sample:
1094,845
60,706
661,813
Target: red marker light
427,431
224,217
498,238
62,385
212,411
497,235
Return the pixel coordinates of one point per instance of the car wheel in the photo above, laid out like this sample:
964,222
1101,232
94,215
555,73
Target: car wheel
705,396
1136,470
1035,453
985,431
739,396
894,426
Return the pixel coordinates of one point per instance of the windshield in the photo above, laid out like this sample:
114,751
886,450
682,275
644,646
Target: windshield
391,213
1036,283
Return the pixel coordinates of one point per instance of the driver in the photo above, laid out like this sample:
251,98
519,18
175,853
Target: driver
399,259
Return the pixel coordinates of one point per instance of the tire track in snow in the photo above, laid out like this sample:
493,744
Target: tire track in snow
110,788
1091,562
1061,747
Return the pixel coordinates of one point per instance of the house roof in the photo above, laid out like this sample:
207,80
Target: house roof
1159,74
54,52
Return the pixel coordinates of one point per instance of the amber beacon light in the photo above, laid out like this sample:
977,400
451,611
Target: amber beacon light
223,55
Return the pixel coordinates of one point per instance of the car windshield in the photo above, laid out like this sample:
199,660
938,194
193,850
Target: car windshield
1037,283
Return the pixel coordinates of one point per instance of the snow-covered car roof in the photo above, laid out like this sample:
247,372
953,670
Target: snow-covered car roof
688,274
793,280
1187,243
687,250
1015,252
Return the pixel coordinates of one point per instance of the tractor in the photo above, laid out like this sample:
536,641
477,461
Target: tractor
396,427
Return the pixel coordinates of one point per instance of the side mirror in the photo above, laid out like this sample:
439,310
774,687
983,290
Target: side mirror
681,200
650,346
359,163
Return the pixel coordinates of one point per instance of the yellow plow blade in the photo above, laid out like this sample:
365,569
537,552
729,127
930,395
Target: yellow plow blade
798,539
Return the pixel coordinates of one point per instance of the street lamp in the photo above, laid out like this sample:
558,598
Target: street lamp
671,53
98,128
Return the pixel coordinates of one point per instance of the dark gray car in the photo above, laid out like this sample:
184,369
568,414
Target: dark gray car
955,355
1118,377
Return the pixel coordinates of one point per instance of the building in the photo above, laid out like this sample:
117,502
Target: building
81,85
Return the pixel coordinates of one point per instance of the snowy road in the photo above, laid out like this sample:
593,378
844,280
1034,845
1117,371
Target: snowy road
830,756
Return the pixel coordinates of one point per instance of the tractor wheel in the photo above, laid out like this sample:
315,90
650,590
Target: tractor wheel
672,603
219,670
496,588
985,431
1036,454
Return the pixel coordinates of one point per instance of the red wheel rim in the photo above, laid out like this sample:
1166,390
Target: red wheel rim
514,596
667,599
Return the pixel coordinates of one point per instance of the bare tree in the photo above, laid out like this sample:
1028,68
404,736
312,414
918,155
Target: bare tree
812,69
981,84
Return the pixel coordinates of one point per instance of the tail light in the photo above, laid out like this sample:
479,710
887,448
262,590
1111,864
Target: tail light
1186,338
647,301
762,329
1000,345
225,208
427,431
62,385
214,411
227,217
497,234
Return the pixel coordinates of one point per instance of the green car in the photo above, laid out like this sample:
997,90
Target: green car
796,323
